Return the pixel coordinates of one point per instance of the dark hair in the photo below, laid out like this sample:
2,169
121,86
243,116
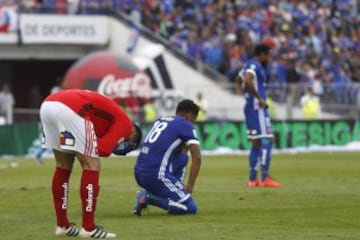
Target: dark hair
186,106
261,48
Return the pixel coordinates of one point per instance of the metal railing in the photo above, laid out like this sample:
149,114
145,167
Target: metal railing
26,115
287,99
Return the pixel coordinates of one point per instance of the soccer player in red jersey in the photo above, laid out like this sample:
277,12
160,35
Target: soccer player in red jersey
86,125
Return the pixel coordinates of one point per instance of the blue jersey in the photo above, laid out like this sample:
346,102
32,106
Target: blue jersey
259,73
257,119
178,165
163,144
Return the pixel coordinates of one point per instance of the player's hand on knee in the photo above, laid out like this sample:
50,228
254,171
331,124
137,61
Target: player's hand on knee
189,188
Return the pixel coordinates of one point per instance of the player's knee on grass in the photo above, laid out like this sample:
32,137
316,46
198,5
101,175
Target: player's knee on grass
192,207
187,207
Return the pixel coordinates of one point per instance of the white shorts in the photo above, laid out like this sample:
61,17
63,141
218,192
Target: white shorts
66,131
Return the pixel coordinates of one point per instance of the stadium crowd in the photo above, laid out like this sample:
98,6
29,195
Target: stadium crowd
315,42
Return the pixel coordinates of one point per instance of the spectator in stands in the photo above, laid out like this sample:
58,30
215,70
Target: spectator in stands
278,75
7,103
203,105
271,106
54,6
35,97
341,85
150,113
299,30
308,33
310,104
73,6
58,85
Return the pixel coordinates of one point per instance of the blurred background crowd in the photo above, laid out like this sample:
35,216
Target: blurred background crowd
316,43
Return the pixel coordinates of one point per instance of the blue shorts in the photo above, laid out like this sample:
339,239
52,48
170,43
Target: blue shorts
167,186
258,123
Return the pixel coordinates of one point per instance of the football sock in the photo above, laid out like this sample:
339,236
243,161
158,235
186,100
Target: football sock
60,190
265,159
253,162
157,201
177,208
189,206
89,190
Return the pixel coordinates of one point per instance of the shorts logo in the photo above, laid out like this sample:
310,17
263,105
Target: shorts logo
251,132
67,139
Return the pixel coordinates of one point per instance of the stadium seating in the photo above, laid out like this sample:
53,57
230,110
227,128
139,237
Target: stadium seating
315,42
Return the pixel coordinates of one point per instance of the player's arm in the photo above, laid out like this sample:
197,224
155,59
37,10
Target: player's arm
120,128
195,153
239,81
107,143
249,84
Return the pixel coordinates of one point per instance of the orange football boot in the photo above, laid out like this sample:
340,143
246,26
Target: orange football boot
254,183
268,182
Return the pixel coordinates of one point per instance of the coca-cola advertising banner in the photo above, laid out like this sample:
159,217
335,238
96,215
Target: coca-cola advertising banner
131,81
111,74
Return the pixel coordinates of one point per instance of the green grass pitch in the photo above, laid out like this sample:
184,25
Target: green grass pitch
319,199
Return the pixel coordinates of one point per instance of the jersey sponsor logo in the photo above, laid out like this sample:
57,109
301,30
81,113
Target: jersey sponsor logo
65,196
90,198
67,139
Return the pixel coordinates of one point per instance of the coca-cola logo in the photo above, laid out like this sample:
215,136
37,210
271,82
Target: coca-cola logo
138,85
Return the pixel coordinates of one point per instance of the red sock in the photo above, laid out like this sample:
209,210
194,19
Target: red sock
60,189
89,190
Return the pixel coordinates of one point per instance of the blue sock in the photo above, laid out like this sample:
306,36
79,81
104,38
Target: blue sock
253,162
265,158
157,201
189,206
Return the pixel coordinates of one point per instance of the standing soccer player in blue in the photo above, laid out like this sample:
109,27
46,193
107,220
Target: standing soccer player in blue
161,164
252,78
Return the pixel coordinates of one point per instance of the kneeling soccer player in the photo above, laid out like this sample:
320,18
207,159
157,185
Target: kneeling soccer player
161,164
